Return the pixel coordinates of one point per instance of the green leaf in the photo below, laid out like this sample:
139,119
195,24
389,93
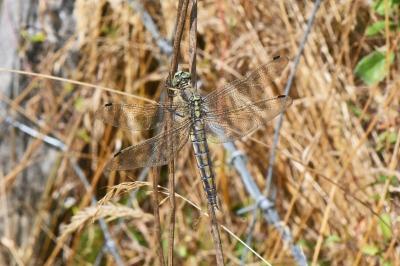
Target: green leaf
232,22
239,247
382,136
75,210
382,179
38,37
35,38
381,141
354,109
324,262
376,197
375,28
182,251
392,137
393,180
385,226
68,87
110,31
305,243
379,27
372,68
371,250
386,263
79,104
379,6
385,139
332,239
138,236
84,135
90,244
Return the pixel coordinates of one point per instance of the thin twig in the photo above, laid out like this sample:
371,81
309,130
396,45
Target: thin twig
75,82
171,186
193,42
216,236
157,223
180,23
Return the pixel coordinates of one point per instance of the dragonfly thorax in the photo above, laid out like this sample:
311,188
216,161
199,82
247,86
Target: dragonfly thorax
196,106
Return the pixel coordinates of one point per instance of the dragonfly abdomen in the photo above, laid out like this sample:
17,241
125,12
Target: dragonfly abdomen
204,164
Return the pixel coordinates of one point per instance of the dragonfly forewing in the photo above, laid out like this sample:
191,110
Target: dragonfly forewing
254,87
232,124
269,71
156,151
136,116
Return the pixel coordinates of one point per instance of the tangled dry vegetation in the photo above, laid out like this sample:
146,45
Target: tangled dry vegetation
337,166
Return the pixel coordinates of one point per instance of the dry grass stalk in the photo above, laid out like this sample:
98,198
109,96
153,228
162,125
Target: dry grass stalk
157,224
180,24
110,212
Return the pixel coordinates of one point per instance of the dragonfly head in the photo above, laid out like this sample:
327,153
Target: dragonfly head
180,77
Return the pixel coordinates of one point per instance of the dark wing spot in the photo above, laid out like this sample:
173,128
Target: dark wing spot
276,57
108,104
118,153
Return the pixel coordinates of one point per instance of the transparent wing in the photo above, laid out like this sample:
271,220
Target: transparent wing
252,88
156,151
229,125
136,116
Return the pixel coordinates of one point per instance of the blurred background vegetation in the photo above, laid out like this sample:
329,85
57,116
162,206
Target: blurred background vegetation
337,170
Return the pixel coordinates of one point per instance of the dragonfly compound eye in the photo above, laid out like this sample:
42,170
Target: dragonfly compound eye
179,77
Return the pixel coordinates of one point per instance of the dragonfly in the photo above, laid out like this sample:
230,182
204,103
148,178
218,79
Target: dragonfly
226,114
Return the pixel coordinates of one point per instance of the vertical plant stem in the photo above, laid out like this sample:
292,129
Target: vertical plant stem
216,236
171,230
157,224
193,42
171,185
180,23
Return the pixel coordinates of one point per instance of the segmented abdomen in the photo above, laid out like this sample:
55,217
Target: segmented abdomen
200,146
